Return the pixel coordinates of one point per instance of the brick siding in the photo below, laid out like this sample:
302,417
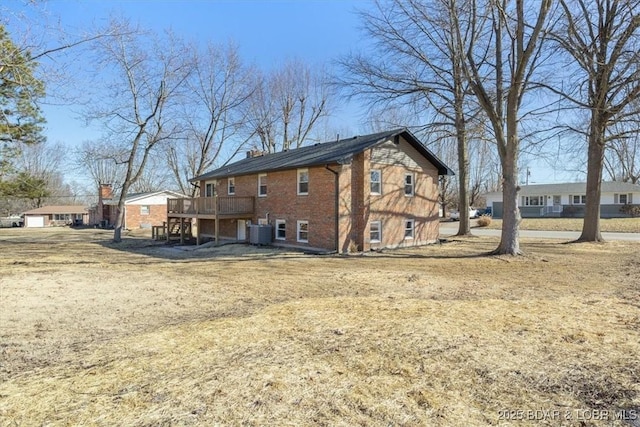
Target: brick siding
357,206
135,219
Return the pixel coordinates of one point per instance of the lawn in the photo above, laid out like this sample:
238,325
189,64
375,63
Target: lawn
94,333
620,225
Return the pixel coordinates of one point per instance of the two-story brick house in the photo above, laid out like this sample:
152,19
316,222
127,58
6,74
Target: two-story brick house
369,192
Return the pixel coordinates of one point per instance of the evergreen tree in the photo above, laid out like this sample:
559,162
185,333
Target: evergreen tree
20,116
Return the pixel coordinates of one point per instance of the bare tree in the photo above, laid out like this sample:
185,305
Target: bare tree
103,163
602,39
418,59
512,33
148,74
287,104
213,116
622,156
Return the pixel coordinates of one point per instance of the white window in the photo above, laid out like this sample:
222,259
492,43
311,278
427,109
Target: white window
209,189
375,232
303,181
408,184
281,229
303,231
578,199
622,199
408,229
231,186
144,209
376,181
262,185
533,200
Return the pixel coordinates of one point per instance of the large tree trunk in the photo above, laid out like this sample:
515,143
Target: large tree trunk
591,224
463,173
510,239
118,226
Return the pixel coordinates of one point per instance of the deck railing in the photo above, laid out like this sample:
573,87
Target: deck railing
209,205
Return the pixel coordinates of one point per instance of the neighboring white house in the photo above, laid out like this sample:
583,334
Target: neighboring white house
567,200
141,210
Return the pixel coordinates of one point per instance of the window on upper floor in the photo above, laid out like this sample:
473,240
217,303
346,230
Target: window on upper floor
262,185
376,182
303,182
231,186
409,184
209,189
145,209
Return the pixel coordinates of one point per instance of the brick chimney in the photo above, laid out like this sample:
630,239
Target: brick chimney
255,153
106,192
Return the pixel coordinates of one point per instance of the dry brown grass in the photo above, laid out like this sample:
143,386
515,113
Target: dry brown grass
619,225
140,334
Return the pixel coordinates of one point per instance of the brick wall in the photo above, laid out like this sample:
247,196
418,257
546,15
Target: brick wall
135,219
283,202
392,207
357,206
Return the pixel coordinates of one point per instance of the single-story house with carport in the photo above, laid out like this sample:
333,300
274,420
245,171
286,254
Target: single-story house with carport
47,216
567,199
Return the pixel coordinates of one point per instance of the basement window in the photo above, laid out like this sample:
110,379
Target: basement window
303,231
409,229
375,232
281,229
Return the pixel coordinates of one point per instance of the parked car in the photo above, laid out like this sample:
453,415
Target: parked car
486,211
455,215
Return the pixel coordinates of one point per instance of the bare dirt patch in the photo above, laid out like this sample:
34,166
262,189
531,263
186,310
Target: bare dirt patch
139,333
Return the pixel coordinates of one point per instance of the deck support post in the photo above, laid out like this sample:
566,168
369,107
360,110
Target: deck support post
216,219
182,231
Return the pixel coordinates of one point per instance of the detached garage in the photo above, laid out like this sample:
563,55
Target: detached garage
48,216
34,221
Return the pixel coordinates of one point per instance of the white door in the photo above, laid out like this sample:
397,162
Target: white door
34,221
242,229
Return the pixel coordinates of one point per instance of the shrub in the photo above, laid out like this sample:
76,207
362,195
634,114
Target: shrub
484,221
631,210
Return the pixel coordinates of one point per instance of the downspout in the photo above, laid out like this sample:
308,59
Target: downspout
336,206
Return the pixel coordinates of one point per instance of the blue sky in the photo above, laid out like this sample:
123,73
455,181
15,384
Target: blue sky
267,32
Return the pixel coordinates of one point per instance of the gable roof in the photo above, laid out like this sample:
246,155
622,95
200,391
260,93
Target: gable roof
575,188
132,197
340,152
58,209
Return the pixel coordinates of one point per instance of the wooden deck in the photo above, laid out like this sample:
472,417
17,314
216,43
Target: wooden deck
181,212
211,207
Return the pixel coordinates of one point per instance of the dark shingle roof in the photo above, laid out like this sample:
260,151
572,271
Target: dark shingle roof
339,152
